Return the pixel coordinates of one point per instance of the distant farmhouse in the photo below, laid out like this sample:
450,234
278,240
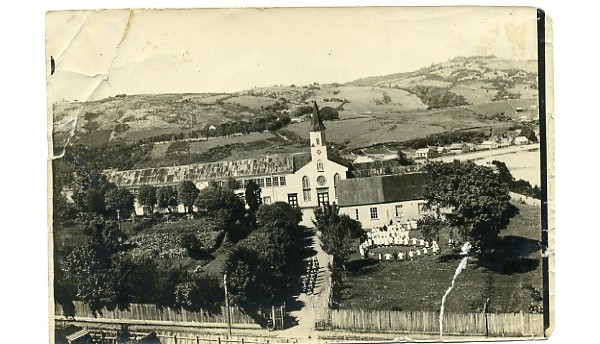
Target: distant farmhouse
302,180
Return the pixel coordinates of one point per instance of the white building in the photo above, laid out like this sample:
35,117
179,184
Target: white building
381,200
302,180
521,140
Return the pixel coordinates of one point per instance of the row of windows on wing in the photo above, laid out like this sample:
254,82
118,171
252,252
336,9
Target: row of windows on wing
374,213
262,182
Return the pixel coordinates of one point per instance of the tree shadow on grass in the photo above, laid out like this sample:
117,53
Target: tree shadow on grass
510,255
450,257
355,267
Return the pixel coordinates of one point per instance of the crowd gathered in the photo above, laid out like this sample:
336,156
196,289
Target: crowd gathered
396,239
310,279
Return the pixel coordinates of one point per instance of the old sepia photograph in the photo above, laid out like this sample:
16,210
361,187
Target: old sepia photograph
299,175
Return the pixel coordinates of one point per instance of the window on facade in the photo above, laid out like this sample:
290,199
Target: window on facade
306,195
293,200
356,214
268,181
305,183
246,182
261,182
336,178
320,165
399,211
282,181
374,214
275,181
422,208
267,200
318,141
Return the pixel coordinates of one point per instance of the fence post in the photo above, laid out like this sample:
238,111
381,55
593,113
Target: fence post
197,340
242,340
219,339
175,338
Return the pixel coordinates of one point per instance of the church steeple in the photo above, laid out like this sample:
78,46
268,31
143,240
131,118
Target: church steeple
316,121
318,147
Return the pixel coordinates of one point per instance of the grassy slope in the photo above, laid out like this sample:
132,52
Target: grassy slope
420,284
367,130
403,118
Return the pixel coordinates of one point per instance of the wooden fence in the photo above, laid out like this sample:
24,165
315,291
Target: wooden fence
501,325
170,337
153,313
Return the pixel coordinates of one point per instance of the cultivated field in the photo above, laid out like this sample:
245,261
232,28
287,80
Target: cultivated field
367,130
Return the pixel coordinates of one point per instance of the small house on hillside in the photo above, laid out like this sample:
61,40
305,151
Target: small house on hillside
441,151
489,144
426,153
458,148
521,140
504,142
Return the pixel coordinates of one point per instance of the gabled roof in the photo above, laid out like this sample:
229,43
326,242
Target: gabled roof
381,189
423,150
316,121
457,145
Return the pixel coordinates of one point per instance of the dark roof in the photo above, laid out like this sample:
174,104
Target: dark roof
381,189
301,160
316,121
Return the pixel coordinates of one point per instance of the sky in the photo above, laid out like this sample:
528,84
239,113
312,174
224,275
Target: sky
104,53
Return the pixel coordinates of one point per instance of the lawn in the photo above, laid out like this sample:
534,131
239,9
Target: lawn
421,283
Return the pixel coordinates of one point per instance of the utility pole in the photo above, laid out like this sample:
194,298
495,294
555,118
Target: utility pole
227,305
487,331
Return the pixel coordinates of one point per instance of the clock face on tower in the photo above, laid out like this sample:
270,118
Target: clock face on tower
321,180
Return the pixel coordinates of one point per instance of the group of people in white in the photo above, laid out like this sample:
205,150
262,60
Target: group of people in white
394,235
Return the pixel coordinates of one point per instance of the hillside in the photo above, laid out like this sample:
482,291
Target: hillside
478,79
462,93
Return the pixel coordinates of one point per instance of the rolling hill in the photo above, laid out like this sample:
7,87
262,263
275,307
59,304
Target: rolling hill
462,93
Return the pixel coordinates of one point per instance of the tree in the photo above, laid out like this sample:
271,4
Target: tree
529,134
281,214
93,201
338,233
187,194
166,198
147,197
203,293
119,202
193,245
253,196
91,265
231,183
225,207
251,281
477,197
430,226
329,113
404,160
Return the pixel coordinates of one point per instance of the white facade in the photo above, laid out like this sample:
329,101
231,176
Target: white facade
377,215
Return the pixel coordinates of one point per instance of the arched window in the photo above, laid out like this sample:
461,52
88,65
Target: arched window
305,183
336,178
320,165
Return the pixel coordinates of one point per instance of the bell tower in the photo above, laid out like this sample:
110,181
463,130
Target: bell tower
318,146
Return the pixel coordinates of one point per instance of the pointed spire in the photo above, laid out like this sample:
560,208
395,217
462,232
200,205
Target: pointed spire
317,122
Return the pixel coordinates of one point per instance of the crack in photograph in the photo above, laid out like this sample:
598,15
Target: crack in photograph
294,175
